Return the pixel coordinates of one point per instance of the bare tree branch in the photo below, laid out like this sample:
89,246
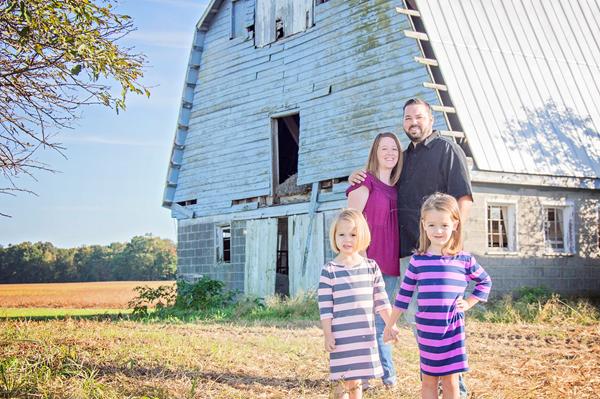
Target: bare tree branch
54,58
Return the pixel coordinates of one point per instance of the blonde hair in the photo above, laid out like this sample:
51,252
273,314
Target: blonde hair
373,164
363,235
442,203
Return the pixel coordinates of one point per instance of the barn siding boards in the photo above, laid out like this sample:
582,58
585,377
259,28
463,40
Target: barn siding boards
335,64
521,76
304,274
240,86
295,16
348,77
260,257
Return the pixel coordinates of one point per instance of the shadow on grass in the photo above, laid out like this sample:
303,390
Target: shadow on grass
190,319
228,378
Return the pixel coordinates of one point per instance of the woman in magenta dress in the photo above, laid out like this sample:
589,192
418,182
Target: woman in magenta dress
441,270
376,198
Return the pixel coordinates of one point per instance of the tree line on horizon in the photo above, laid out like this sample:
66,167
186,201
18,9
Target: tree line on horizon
144,258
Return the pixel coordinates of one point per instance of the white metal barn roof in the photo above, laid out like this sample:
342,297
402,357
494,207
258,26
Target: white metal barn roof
524,78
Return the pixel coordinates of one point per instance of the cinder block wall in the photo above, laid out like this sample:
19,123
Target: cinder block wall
577,274
196,253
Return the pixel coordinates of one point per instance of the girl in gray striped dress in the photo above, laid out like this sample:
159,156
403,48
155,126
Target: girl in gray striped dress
351,291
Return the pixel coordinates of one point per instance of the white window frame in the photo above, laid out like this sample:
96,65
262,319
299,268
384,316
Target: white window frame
568,229
510,223
220,232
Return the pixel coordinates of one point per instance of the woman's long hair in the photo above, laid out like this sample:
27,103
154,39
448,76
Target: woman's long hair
373,164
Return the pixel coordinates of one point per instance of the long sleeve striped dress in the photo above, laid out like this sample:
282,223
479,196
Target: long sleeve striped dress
351,296
441,280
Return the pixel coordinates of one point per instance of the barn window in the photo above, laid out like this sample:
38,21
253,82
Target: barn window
317,2
223,241
277,19
558,227
554,229
285,143
501,227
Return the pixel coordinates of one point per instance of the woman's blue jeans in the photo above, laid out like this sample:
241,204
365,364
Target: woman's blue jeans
385,350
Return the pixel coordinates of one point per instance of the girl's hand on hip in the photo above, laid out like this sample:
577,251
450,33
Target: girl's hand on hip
462,305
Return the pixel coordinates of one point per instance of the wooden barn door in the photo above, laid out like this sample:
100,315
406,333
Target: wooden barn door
304,273
261,257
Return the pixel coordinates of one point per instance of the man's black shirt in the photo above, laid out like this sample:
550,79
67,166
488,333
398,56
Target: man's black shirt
436,165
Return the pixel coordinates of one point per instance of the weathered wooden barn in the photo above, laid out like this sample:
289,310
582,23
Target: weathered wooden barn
282,99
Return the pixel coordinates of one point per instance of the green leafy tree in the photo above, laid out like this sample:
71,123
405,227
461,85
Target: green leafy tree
27,262
10,261
64,267
143,258
146,258
56,56
93,263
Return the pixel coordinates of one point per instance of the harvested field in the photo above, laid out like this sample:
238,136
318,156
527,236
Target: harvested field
103,295
213,360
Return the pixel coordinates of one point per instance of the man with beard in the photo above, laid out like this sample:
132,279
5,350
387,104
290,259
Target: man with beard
432,163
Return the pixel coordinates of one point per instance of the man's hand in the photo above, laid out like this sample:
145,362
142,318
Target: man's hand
329,342
358,176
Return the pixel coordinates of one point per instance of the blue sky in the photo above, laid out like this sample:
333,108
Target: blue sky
110,188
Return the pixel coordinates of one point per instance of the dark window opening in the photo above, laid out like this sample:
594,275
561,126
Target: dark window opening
187,202
224,244
282,280
286,144
288,139
327,186
279,34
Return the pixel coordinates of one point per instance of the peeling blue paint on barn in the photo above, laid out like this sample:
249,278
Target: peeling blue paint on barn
282,99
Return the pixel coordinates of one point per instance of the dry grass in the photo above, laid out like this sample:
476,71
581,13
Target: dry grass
104,295
77,358
208,360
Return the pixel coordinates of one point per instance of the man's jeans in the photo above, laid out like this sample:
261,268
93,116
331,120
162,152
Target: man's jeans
409,316
385,350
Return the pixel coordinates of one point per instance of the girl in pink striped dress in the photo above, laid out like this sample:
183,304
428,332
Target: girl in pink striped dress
351,290
441,271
